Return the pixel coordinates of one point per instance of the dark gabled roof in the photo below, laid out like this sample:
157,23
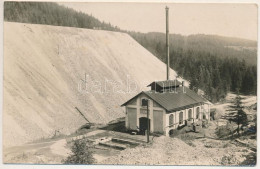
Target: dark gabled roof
166,83
173,101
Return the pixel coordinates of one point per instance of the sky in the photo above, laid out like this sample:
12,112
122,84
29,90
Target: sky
233,20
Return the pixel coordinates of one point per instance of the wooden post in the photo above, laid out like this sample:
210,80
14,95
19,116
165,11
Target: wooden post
148,124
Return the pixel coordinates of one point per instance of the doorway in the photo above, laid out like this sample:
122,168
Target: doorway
143,124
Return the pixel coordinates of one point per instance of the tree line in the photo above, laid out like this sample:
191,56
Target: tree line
50,13
207,64
214,64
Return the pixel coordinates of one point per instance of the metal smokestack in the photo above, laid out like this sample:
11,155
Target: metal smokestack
167,42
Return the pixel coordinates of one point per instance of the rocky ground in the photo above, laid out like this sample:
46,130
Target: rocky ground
203,148
174,151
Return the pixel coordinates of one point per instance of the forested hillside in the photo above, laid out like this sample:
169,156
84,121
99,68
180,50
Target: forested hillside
215,45
50,13
214,64
209,62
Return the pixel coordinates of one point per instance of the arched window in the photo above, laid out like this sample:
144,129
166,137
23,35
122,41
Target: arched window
204,116
180,117
197,112
171,120
189,114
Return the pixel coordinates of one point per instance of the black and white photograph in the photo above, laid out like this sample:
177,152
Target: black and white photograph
163,83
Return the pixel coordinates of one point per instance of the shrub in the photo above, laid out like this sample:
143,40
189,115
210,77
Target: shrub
228,160
81,153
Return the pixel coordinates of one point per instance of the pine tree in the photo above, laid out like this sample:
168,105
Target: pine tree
237,114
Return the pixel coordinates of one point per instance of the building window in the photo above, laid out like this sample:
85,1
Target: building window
144,102
189,114
171,120
204,116
181,117
197,112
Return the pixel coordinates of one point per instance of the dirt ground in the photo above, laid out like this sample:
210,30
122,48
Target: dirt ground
188,149
54,151
51,151
203,148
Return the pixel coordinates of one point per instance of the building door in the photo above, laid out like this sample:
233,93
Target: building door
158,123
143,124
132,118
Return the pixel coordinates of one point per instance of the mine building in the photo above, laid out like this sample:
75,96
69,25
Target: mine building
171,105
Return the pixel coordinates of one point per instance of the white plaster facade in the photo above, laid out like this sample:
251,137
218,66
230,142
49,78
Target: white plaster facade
203,109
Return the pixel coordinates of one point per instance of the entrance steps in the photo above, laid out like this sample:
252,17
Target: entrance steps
119,143
125,141
113,145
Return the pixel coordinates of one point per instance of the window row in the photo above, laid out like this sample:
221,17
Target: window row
171,119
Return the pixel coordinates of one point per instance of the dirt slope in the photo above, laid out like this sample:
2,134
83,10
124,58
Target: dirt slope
173,151
43,71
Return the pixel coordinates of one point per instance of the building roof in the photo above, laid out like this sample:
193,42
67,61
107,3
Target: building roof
166,83
173,101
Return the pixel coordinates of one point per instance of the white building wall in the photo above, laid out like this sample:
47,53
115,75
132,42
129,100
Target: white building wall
186,114
177,116
206,108
185,117
166,127
151,108
138,111
151,115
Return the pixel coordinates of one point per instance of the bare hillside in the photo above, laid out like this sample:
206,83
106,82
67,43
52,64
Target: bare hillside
44,67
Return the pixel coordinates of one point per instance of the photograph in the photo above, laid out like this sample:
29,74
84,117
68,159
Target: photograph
160,83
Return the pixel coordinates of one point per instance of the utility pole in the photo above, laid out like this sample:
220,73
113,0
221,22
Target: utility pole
148,122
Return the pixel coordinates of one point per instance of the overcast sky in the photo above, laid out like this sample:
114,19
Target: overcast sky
234,20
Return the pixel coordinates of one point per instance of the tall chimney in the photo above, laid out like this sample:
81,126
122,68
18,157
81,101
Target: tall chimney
167,42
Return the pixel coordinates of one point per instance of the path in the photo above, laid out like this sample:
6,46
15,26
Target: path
59,147
48,149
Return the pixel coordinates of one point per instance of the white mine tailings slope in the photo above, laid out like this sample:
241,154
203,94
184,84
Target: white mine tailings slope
44,65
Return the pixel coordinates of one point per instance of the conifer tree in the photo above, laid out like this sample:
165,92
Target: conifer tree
236,113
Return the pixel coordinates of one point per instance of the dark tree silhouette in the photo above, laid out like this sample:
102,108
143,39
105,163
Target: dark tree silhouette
237,114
